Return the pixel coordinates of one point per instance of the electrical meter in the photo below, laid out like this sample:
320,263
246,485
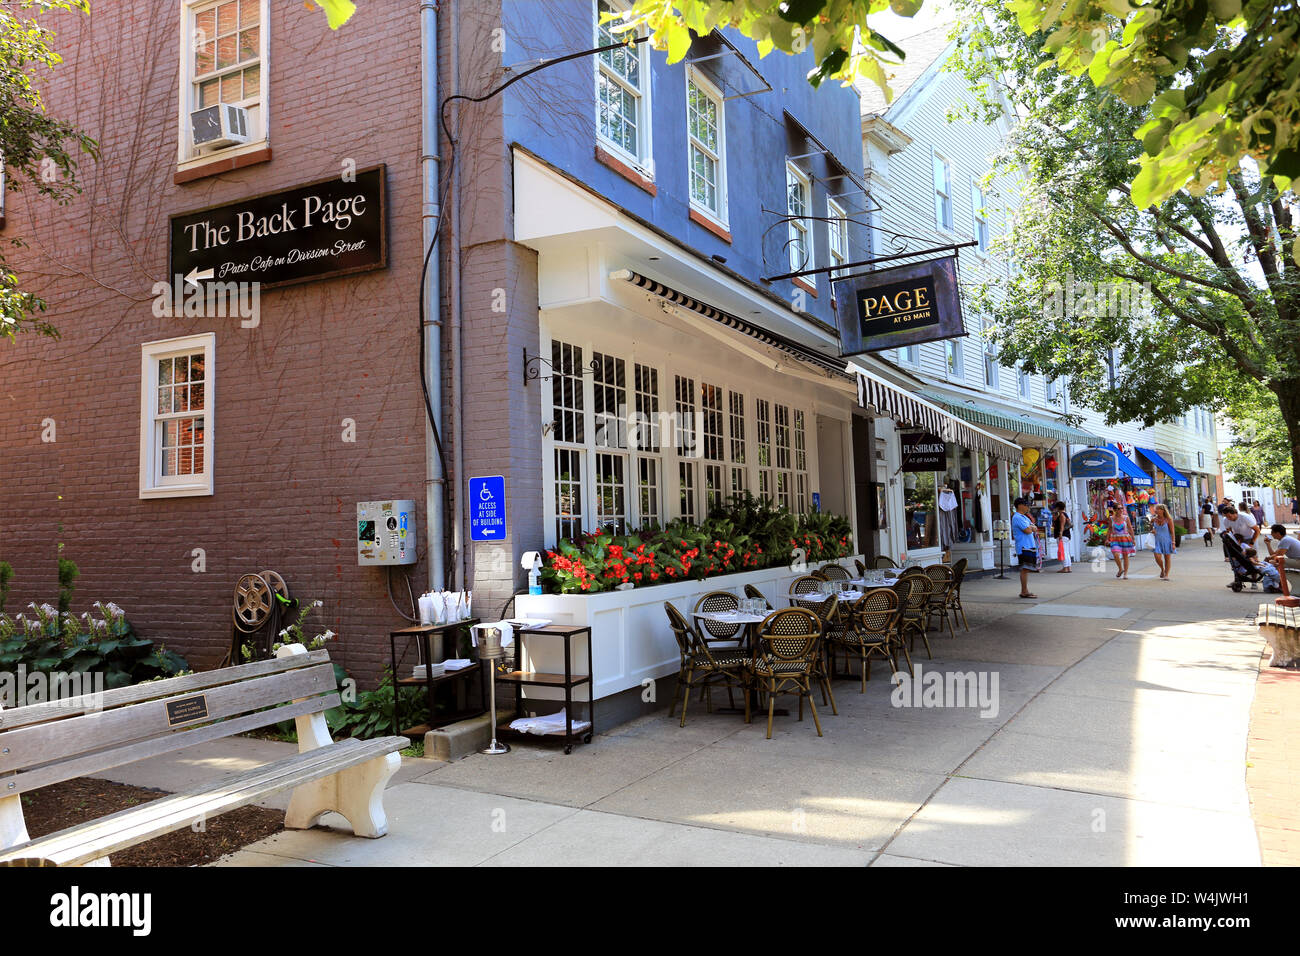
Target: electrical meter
386,532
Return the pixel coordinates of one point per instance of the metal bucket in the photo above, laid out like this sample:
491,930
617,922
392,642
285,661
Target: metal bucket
489,643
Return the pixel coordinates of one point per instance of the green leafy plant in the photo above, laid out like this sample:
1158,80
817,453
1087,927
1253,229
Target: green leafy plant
6,575
371,714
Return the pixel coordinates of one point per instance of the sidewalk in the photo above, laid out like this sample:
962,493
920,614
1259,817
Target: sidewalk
1120,736
1273,768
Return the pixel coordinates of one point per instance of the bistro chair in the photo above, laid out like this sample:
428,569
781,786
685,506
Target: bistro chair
871,632
834,621
940,576
808,584
915,610
789,648
884,562
862,568
716,631
836,572
702,667
755,594
954,592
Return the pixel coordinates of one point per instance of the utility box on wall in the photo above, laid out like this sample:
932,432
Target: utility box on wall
386,532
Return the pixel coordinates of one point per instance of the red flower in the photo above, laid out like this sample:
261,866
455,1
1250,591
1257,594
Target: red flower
637,575
654,575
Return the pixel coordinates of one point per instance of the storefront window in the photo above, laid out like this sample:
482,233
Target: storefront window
919,505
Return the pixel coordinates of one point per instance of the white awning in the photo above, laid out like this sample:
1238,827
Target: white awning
907,408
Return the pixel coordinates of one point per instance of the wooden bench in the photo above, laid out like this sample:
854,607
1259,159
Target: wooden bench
1280,626
46,743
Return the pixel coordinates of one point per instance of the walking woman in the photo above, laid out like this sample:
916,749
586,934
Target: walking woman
1061,528
1162,526
1119,536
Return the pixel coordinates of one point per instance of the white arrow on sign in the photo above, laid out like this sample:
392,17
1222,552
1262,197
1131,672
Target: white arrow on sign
196,275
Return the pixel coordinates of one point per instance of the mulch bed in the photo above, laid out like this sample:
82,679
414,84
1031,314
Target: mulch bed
66,804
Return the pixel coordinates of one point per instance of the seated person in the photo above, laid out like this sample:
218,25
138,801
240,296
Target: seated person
1272,578
1283,551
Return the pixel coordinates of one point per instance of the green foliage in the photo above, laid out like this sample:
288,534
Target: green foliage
68,574
6,575
1260,451
745,535
40,152
371,714
45,641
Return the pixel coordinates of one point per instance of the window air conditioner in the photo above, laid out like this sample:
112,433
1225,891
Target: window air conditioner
219,125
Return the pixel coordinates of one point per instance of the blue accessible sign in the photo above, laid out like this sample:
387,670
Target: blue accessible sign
487,508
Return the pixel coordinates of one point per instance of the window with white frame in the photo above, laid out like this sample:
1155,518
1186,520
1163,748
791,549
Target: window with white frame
622,90
942,192
798,204
609,393
714,447
909,355
980,224
952,357
706,146
1022,382
837,232
800,463
569,430
764,429
687,443
736,416
784,478
990,360
176,423
646,381
1053,387
223,60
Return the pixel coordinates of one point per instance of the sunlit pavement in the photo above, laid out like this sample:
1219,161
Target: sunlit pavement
1117,736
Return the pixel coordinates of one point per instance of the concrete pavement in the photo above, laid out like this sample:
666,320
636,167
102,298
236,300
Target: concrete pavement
1119,738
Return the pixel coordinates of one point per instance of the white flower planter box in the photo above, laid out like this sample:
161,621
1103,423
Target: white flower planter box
630,637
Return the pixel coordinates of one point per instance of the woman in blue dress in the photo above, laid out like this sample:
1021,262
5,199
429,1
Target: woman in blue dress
1162,526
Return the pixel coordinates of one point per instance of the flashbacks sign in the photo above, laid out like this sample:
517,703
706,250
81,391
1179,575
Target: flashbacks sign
922,451
324,229
897,307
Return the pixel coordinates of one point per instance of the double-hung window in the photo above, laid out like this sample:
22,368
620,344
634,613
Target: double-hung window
223,60
798,203
714,447
942,192
648,462
706,146
837,232
609,389
952,357
688,445
569,424
980,218
176,422
1022,382
990,360
739,473
622,91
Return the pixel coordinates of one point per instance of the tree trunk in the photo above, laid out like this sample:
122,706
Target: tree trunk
1288,398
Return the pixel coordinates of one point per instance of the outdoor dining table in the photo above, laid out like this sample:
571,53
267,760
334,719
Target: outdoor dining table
883,583
751,622
848,595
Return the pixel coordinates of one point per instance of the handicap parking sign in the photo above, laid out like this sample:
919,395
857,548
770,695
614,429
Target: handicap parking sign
487,508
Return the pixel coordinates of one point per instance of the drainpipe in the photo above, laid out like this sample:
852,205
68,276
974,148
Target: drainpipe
435,480
460,566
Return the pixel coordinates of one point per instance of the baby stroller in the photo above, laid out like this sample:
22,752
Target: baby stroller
1243,571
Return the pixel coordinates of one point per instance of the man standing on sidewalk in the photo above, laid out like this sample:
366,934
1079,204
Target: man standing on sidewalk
1026,537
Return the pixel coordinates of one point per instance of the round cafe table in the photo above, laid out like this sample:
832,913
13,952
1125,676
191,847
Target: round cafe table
864,583
751,622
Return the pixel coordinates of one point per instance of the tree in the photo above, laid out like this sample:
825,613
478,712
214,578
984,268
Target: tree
1260,452
1228,73
39,151
1149,310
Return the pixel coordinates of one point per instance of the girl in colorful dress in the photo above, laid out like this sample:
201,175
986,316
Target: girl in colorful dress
1162,526
1119,536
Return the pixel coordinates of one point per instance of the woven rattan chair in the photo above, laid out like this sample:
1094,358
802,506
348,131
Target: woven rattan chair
914,612
835,572
789,651
808,584
702,667
862,568
940,576
954,592
872,631
833,621
883,562
715,632
755,594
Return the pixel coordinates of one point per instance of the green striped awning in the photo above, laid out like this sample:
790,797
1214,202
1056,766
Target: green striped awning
1021,423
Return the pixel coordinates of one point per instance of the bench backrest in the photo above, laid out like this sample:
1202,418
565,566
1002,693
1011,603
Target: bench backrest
59,740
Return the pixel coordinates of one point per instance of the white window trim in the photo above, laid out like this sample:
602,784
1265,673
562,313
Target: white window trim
957,374
186,156
806,181
935,159
150,352
669,456
836,224
900,354
707,87
643,164
979,214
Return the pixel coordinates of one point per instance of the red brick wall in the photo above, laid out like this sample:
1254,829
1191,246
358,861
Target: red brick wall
286,484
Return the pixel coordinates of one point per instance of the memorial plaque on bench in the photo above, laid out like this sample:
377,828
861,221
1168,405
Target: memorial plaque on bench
186,709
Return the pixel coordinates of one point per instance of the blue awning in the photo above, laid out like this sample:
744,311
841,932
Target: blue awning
1180,481
1131,471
